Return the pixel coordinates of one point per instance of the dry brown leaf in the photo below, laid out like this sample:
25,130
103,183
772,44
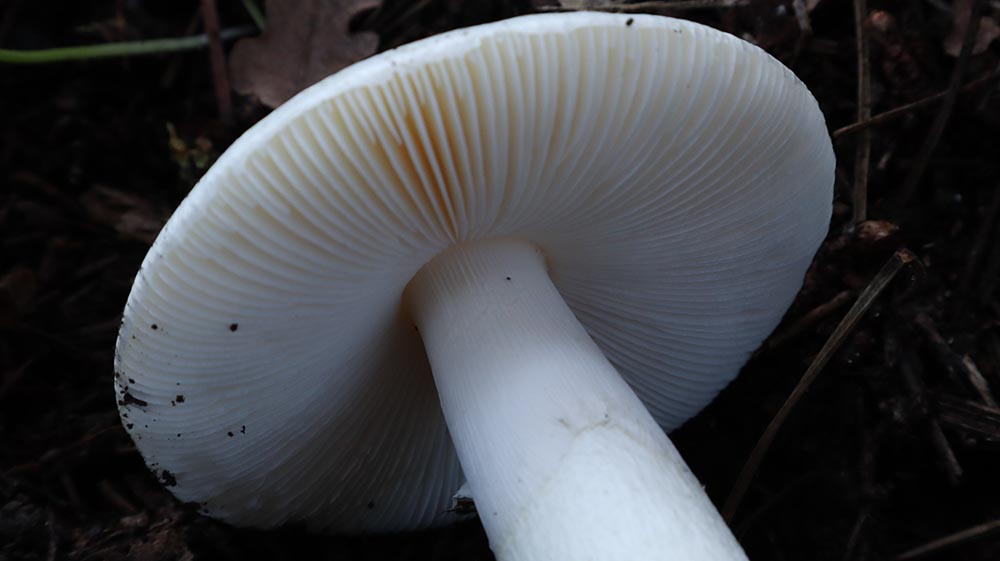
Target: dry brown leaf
130,215
961,15
305,41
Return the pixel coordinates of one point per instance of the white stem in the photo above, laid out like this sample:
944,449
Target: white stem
563,460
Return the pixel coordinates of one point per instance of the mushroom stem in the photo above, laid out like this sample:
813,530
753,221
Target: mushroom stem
562,458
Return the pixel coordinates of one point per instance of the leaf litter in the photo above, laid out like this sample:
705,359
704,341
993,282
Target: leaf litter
305,41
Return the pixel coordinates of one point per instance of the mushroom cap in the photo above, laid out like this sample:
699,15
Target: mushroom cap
677,179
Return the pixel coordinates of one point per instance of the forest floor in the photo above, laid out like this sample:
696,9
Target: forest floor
893,453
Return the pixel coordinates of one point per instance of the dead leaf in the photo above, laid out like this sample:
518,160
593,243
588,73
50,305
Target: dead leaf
130,215
305,41
961,13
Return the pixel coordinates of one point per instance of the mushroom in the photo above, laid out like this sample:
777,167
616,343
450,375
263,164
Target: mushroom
510,255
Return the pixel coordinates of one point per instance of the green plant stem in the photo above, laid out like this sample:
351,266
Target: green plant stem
124,48
255,14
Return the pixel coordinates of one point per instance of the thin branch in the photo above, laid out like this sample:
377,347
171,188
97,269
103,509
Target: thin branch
810,318
862,154
255,14
953,362
898,112
857,311
805,26
50,525
647,6
975,255
220,77
952,540
937,128
909,368
855,536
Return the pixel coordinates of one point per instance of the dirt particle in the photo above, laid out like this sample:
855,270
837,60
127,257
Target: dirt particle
629,22
129,399
243,429
131,380
154,327
129,426
168,478
230,433
234,326
179,398
508,278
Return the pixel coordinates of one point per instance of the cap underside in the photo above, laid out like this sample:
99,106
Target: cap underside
678,180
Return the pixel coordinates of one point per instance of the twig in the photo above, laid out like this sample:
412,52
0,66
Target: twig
978,382
646,6
194,24
70,491
855,535
255,14
220,78
857,311
116,499
970,417
862,153
53,537
124,48
937,128
792,488
868,441
802,17
898,112
975,255
949,462
809,319
953,362
805,25
958,538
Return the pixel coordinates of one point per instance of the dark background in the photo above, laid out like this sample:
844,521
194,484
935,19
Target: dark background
891,449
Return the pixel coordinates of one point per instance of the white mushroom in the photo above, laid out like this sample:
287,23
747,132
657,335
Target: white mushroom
591,219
